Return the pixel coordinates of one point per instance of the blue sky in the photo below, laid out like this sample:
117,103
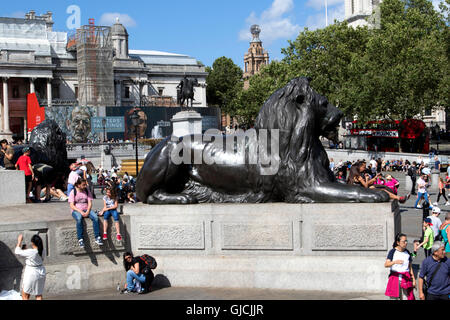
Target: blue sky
204,29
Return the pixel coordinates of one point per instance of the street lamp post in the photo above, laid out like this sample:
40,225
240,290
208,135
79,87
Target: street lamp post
135,121
104,129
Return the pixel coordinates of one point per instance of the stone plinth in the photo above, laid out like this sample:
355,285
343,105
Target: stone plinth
186,123
70,269
333,247
12,187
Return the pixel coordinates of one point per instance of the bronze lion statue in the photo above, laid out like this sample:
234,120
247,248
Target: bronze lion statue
280,160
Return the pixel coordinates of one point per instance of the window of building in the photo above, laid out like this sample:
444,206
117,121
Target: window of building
127,92
428,112
353,6
76,92
160,91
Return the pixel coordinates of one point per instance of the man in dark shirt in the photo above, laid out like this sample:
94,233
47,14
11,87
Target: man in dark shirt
412,172
439,289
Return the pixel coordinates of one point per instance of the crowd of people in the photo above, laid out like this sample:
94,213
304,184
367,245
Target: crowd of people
118,187
433,280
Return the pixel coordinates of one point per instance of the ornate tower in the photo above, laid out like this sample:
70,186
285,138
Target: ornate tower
256,57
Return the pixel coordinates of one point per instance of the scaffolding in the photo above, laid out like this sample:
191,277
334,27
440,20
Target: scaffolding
95,65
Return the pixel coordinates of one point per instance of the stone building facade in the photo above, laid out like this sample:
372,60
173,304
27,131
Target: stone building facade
36,59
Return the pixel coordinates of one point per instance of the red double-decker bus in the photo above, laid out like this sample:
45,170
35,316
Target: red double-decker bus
408,135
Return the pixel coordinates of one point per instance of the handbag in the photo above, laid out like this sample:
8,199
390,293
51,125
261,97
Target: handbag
427,285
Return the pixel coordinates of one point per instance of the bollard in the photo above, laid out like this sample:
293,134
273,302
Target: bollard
435,181
408,184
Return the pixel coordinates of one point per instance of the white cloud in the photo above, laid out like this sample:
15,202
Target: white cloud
336,11
109,18
274,22
319,4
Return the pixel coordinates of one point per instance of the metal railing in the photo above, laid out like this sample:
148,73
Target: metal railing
96,149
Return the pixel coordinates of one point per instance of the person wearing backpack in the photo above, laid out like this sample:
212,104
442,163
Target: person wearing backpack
80,200
137,281
434,277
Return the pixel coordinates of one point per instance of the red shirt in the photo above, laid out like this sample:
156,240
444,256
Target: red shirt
23,162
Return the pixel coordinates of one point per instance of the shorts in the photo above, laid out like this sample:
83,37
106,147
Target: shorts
114,214
28,179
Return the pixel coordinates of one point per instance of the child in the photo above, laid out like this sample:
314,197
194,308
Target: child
428,237
24,164
110,204
80,200
73,177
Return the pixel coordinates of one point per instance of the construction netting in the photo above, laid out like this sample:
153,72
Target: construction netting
95,66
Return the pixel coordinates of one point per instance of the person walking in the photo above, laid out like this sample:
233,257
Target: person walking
35,273
435,272
428,237
442,184
445,232
412,173
401,281
422,192
80,200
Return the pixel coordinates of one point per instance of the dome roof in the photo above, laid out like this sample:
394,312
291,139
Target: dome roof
118,29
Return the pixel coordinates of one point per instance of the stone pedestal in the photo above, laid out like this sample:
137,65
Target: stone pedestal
186,123
332,247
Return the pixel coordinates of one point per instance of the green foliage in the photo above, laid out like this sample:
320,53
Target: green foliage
397,70
224,80
249,102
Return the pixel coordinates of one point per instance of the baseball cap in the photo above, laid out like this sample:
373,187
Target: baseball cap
436,210
25,149
428,220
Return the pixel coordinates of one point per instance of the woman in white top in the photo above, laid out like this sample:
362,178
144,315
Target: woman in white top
34,274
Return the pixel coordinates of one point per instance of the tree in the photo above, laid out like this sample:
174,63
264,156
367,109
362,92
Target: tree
248,102
402,71
397,70
325,55
223,83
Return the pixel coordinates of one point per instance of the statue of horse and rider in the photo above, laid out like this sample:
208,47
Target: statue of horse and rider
185,91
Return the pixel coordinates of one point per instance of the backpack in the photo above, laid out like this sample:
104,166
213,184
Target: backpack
150,263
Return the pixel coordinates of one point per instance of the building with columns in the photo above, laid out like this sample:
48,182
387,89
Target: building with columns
35,58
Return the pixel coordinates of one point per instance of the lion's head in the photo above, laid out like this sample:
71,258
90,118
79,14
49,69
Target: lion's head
297,104
49,143
301,115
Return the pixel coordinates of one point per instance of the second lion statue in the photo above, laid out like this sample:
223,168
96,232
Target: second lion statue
299,116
